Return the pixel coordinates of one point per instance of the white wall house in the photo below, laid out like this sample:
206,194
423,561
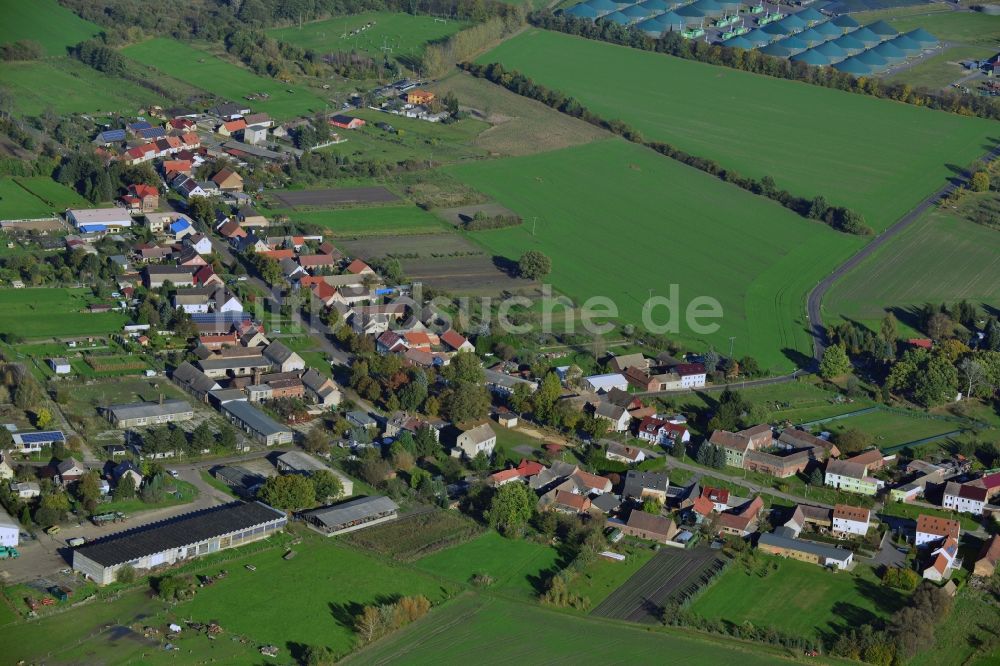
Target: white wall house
851,519
964,498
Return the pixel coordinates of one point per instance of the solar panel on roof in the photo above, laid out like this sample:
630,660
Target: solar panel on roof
142,124
113,135
47,436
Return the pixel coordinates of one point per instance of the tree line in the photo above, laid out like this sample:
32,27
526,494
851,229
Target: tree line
838,217
672,43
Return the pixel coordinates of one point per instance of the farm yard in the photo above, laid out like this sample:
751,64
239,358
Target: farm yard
876,156
463,627
798,597
412,140
941,257
670,576
45,313
763,258
46,22
223,78
392,35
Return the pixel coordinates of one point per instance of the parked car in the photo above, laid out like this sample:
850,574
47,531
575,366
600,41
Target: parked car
52,530
76,541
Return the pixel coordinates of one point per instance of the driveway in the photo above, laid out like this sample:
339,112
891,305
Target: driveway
888,555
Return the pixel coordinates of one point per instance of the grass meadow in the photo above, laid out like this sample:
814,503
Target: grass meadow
46,22
799,598
514,564
223,78
66,85
53,194
940,258
393,34
962,27
618,220
49,312
16,202
492,630
878,157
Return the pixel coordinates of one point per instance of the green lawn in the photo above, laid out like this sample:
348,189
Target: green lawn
45,22
876,156
941,257
911,511
184,493
891,429
51,312
496,631
943,69
604,576
204,70
601,207
396,35
52,193
799,598
66,86
310,599
370,221
514,564
416,140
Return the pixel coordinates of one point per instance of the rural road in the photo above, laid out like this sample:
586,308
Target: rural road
814,303
749,485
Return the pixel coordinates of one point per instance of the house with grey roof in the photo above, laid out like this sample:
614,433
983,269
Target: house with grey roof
282,358
474,441
256,423
141,414
351,516
194,381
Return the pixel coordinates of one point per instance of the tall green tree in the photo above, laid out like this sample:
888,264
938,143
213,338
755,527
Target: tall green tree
511,508
834,363
290,491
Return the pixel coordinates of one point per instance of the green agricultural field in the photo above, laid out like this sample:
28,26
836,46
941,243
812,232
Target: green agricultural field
45,22
799,598
496,631
18,203
876,156
395,35
50,312
371,221
223,78
53,194
939,258
310,599
679,226
969,636
66,85
514,564
417,140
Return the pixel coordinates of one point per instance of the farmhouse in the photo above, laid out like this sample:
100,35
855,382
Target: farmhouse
194,381
964,497
851,519
346,122
743,520
282,358
780,466
139,414
794,438
9,529
647,526
604,383
351,516
261,427
99,219
693,375
945,560
418,96
323,390
662,431
70,471
646,485
524,471
806,514
127,468
782,542
624,453
503,384
32,442
474,441
176,540
25,489
616,415
228,180
850,476
934,529
737,444
156,276
986,565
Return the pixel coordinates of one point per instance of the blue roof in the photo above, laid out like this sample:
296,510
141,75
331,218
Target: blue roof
636,12
91,228
112,135
828,28
618,17
152,133
219,317
652,26
180,225
582,10
42,436
139,125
